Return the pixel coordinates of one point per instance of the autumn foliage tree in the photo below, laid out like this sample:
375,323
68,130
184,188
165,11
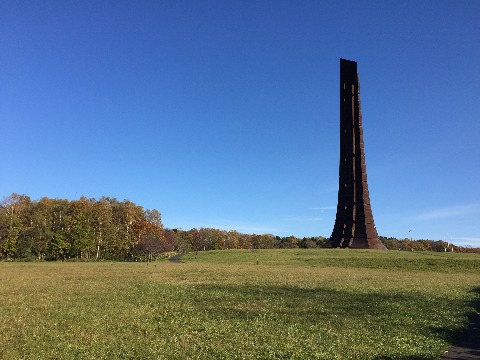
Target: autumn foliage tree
57,229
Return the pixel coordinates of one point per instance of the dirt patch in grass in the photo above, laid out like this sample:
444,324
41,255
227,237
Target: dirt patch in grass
177,258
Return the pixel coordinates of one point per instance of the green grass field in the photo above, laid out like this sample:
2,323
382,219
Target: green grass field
239,304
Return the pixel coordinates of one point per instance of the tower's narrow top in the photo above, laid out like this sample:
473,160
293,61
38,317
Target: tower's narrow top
348,61
348,69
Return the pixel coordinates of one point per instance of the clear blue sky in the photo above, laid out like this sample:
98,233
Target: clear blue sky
225,114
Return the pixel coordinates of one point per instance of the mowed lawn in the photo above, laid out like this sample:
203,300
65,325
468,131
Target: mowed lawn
240,304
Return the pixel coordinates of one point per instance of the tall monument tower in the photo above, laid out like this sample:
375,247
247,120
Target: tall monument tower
354,226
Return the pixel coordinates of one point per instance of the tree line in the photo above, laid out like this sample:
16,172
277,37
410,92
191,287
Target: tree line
56,229
214,239
407,244
108,229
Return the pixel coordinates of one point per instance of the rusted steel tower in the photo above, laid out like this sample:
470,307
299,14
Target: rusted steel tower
354,226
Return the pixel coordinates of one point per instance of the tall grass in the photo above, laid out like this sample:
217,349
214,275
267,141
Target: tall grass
238,304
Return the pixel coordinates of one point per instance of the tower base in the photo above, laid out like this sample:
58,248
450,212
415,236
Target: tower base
355,243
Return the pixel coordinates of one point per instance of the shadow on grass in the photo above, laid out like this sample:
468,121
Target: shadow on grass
467,342
378,314
292,303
